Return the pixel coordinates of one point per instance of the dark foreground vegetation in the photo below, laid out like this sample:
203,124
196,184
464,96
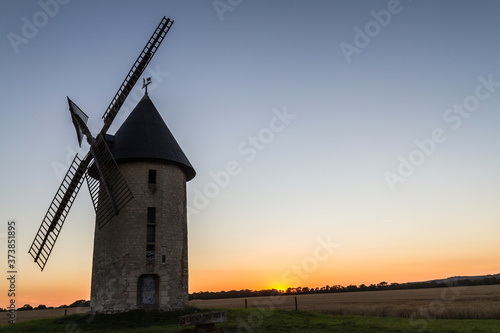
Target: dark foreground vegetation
249,320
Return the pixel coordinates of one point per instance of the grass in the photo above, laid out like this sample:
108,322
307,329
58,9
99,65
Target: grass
133,321
252,320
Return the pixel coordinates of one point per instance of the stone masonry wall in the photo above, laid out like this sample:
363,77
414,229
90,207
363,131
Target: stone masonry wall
120,246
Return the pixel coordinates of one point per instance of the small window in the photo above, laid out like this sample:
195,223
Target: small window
151,233
163,258
152,176
152,215
150,252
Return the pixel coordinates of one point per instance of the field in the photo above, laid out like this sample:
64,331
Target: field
370,311
40,314
476,302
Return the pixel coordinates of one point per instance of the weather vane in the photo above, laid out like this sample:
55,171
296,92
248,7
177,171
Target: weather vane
145,83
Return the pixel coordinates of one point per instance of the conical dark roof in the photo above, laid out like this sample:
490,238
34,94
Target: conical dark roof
144,135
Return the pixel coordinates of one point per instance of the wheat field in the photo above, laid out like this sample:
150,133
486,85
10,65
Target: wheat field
475,302
41,314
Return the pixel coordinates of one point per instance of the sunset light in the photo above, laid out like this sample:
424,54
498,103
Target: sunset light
335,143
279,287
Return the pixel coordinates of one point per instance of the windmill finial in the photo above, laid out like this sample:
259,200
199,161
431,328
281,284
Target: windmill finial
145,83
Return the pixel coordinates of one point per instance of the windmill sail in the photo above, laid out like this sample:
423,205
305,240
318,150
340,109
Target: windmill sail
107,187
79,119
58,210
135,72
109,190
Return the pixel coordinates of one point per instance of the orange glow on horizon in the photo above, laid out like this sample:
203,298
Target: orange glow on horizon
61,292
278,286
63,286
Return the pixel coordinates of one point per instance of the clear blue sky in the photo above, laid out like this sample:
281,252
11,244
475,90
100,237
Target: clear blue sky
220,78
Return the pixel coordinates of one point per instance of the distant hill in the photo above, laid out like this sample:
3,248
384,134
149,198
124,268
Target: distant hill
460,278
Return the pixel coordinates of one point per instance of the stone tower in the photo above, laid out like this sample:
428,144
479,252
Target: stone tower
141,257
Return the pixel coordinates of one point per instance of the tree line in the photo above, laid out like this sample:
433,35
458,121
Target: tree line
75,304
340,289
303,290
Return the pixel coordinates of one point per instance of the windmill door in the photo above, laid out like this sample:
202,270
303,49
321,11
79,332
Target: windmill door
148,289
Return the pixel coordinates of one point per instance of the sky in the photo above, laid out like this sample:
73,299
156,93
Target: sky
335,142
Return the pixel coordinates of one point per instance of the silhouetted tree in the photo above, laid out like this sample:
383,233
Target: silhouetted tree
382,284
80,302
329,289
25,307
352,287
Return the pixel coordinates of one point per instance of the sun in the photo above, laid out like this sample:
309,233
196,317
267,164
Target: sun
279,286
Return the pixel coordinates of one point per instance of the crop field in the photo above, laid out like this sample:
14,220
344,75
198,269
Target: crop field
475,302
41,314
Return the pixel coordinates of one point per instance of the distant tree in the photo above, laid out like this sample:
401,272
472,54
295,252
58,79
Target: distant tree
336,288
80,302
274,292
382,284
25,307
41,307
491,280
327,289
351,287
465,282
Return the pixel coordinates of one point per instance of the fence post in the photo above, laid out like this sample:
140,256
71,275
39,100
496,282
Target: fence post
246,305
296,308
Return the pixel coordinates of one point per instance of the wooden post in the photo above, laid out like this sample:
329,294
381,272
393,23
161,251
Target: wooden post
246,304
65,312
296,308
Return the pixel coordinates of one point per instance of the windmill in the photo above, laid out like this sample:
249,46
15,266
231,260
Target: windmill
108,188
